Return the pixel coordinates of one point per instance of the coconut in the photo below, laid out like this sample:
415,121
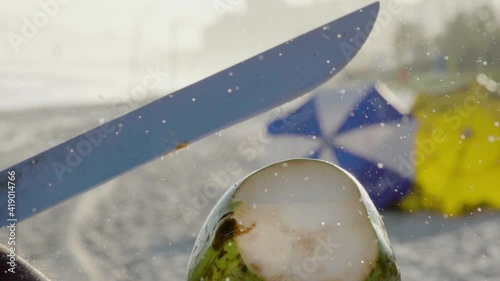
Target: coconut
300,219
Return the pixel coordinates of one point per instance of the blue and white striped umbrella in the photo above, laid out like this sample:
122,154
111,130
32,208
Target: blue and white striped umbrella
364,130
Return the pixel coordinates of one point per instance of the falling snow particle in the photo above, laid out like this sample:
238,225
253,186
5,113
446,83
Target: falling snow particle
164,121
229,90
193,99
380,165
261,57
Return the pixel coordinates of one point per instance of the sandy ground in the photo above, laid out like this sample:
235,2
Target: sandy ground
136,227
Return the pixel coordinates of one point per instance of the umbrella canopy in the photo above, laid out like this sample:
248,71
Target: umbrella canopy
364,129
457,153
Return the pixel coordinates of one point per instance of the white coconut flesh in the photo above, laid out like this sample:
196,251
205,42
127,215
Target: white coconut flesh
305,220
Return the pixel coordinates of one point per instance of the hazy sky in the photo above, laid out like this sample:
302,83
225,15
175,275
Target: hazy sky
116,19
90,49
93,49
101,22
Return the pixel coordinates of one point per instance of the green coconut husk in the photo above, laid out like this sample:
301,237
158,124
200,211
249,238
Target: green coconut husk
300,219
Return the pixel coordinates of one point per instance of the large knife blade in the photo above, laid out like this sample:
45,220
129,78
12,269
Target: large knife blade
257,85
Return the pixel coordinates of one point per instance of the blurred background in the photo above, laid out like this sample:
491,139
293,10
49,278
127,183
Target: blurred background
93,52
65,65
